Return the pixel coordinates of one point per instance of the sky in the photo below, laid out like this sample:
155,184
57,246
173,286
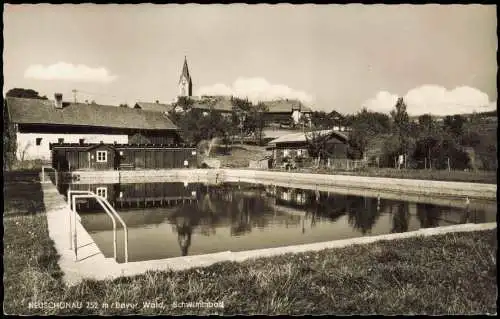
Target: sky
440,58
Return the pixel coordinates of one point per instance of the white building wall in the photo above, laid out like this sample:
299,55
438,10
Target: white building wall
184,87
296,115
26,142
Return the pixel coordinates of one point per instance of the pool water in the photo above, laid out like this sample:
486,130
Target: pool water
176,219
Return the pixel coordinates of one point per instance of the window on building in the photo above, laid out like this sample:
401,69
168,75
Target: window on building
102,191
38,141
301,198
285,153
102,156
286,196
60,140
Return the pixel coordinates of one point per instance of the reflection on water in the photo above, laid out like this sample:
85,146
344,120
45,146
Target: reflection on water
177,219
400,218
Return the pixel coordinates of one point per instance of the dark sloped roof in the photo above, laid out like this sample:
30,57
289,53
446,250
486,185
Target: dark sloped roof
301,137
224,104
155,107
31,111
286,106
218,103
99,145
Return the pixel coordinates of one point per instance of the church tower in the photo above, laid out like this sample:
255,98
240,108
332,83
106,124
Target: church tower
185,84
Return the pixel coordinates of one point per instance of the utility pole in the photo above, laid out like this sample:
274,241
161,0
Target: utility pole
74,95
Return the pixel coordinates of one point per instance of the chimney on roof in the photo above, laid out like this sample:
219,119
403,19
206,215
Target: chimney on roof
58,103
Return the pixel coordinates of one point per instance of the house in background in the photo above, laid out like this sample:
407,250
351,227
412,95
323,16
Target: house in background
295,146
217,103
286,112
38,123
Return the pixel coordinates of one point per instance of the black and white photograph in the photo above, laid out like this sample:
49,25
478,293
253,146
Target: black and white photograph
249,159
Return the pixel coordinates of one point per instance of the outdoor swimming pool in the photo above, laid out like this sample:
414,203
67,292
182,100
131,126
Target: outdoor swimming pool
176,219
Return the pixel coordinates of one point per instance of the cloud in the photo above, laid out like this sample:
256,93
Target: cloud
434,99
382,102
256,89
69,72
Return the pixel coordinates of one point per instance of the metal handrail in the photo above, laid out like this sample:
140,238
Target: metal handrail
75,246
125,229
112,213
73,210
70,206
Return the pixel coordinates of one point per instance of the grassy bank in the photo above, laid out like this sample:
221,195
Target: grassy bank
22,193
240,155
447,274
487,177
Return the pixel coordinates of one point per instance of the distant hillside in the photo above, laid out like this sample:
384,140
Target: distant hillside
467,115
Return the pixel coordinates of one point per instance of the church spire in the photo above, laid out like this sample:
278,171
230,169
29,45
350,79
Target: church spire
185,71
185,83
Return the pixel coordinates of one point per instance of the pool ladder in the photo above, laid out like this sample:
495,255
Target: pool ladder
110,211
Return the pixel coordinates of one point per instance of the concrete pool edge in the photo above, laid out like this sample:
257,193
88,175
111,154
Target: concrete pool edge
293,179
187,262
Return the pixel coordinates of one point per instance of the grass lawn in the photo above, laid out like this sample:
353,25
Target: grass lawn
22,193
446,274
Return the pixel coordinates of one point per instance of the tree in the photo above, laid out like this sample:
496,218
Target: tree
240,116
427,149
256,117
336,118
188,123
184,102
9,136
317,144
197,126
390,150
365,124
124,105
321,120
358,142
138,139
426,123
9,141
401,125
25,93
372,122
228,132
451,151
24,150
454,125
471,138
